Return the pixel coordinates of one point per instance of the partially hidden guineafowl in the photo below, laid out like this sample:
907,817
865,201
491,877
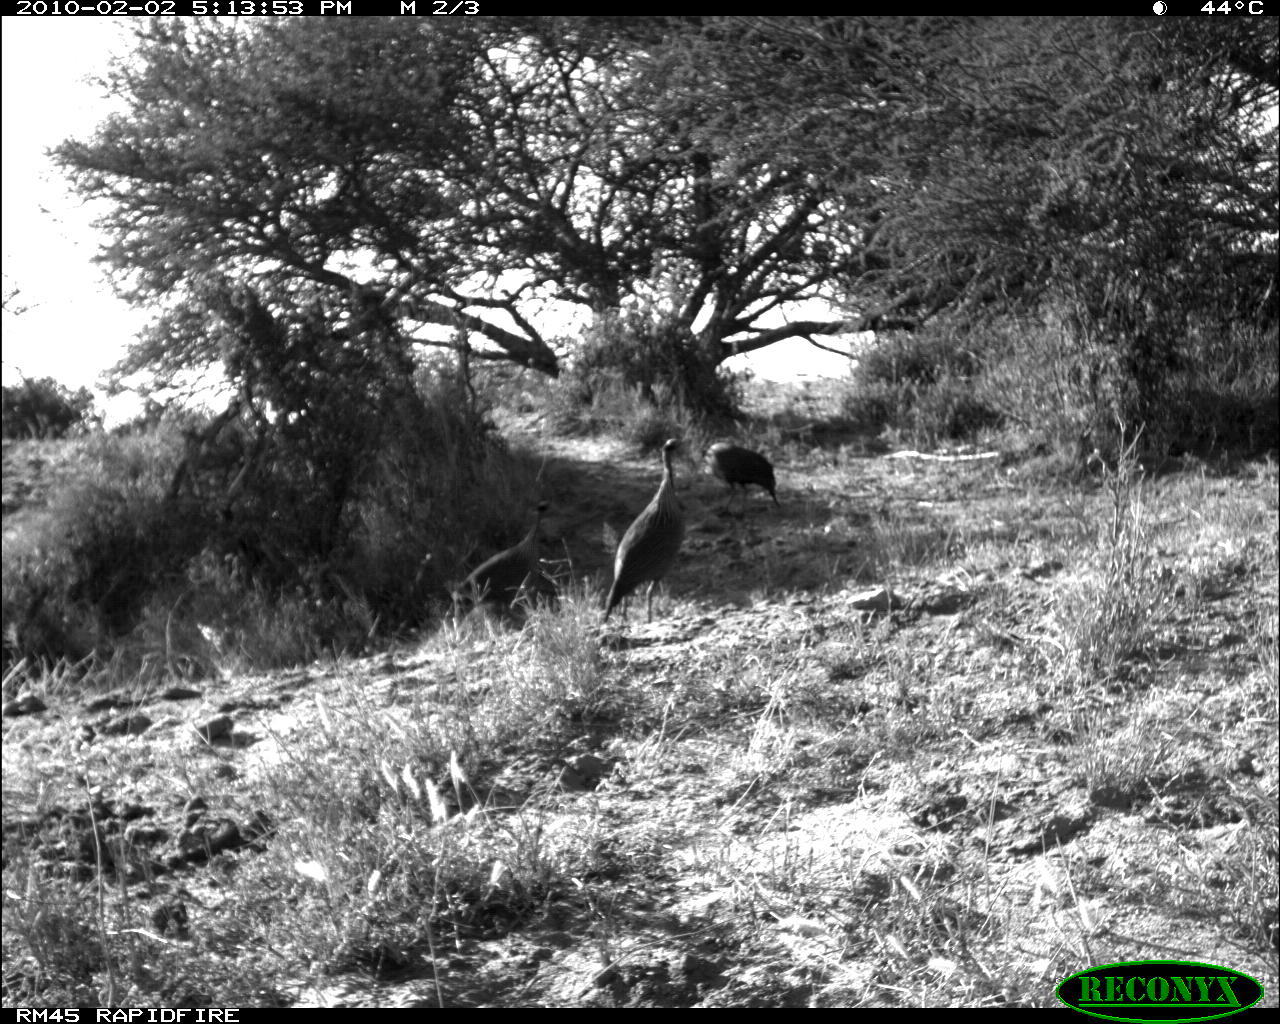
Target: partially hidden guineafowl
650,545
741,466
502,579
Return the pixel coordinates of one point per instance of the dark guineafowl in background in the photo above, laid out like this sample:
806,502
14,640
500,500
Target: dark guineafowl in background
502,579
741,466
651,543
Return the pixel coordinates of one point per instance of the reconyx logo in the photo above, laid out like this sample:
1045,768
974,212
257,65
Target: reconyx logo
1164,990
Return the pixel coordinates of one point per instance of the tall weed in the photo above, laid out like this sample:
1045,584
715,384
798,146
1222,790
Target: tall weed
1107,621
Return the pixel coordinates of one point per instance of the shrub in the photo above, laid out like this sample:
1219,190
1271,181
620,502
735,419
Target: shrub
922,386
1226,397
45,409
870,408
951,410
1063,392
920,359
192,547
78,573
638,365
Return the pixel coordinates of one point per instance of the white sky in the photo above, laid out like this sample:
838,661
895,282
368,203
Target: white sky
74,328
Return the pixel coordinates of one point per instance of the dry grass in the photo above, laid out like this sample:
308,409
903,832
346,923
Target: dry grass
1060,750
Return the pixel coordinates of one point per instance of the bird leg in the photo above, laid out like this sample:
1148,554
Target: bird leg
728,507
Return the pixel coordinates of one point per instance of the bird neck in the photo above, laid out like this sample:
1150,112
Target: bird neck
667,489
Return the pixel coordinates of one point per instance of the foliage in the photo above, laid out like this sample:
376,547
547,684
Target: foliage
1034,383
1110,620
221,545
436,174
309,203
921,359
78,572
633,376
501,785
386,178
1225,398
638,348
45,409
1118,175
1184,198
923,386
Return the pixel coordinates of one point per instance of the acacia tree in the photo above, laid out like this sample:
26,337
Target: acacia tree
1128,179
457,173
1163,226
287,158
465,173
1123,171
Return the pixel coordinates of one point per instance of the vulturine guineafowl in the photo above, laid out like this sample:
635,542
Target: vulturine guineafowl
651,543
736,466
502,579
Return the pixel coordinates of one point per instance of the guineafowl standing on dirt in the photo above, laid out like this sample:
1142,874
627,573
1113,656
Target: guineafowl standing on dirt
736,466
501,580
651,542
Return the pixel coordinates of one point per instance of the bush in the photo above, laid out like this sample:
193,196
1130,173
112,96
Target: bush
187,548
441,492
45,409
380,519
920,360
1053,391
78,573
1226,397
952,410
923,387
637,365
1065,393
871,407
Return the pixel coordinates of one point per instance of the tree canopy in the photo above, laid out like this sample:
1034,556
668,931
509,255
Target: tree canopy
382,176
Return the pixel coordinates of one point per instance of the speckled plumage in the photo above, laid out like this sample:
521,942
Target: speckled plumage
651,543
741,466
502,578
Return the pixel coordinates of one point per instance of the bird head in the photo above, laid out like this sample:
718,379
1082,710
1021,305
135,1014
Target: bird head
671,449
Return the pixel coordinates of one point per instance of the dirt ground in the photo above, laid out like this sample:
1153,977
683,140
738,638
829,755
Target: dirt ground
853,761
